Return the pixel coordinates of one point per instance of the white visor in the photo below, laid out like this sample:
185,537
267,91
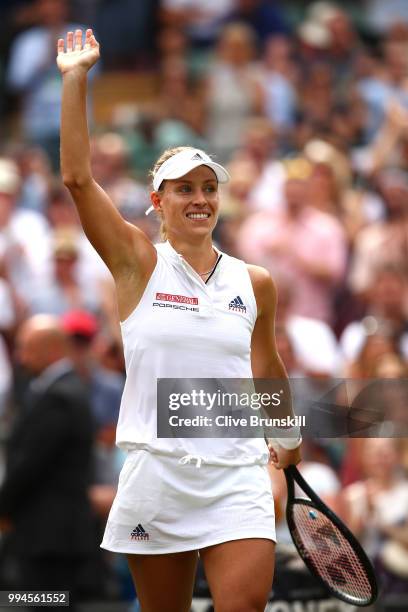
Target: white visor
182,163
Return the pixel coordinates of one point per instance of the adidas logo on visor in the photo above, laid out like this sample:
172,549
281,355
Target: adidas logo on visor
197,156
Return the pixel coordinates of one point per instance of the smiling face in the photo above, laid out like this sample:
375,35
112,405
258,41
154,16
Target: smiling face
189,205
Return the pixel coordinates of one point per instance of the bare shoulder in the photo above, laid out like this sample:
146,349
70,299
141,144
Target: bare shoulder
264,288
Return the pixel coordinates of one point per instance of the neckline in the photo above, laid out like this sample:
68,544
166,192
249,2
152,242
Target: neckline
211,273
178,258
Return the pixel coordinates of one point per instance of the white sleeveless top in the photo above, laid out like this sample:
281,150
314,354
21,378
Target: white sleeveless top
184,328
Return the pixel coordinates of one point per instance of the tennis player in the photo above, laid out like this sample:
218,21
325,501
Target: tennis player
186,310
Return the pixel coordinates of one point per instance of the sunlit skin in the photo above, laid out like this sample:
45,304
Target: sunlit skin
196,192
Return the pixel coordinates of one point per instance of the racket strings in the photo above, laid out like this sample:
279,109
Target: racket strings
330,553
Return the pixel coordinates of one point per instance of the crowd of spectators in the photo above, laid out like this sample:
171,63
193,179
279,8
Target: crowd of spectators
307,105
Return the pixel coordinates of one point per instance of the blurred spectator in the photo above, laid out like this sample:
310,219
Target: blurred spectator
98,359
201,21
23,234
385,312
344,45
236,194
331,189
279,80
61,212
65,290
111,169
317,94
234,92
32,72
386,84
290,243
179,107
314,39
265,17
48,463
380,16
304,332
259,147
62,216
376,504
389,146
373,348
379,409
172,43
234,203
36,178
99,362
384,242
328,27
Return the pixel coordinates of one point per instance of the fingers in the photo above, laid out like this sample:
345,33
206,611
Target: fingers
281,457
78,40
93,40
74,42
88,36
70,41
273,456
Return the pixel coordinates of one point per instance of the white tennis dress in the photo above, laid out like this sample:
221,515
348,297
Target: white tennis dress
184,328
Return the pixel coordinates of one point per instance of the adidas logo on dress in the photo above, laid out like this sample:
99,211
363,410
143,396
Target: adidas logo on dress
139,533
237,305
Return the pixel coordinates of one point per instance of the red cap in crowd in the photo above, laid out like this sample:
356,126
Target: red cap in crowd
80,322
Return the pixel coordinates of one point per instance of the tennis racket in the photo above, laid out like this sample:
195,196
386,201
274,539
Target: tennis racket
327,546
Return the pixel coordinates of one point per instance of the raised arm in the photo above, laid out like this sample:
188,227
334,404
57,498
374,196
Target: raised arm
122,246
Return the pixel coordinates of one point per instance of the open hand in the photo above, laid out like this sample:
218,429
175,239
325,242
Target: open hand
77,55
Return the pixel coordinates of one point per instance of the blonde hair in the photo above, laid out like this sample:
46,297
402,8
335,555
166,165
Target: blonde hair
162,159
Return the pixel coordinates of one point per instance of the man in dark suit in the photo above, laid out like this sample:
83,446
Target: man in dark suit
44,506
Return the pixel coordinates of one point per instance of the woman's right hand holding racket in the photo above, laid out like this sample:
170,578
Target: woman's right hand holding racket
282,457
77,56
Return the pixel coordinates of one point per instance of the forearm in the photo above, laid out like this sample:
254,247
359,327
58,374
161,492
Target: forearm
269,373
384,144
326,272
274,383
283,440
75,149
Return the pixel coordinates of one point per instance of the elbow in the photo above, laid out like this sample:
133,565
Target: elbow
74,182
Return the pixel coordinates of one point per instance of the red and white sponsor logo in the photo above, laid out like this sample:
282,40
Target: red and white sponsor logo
180,299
